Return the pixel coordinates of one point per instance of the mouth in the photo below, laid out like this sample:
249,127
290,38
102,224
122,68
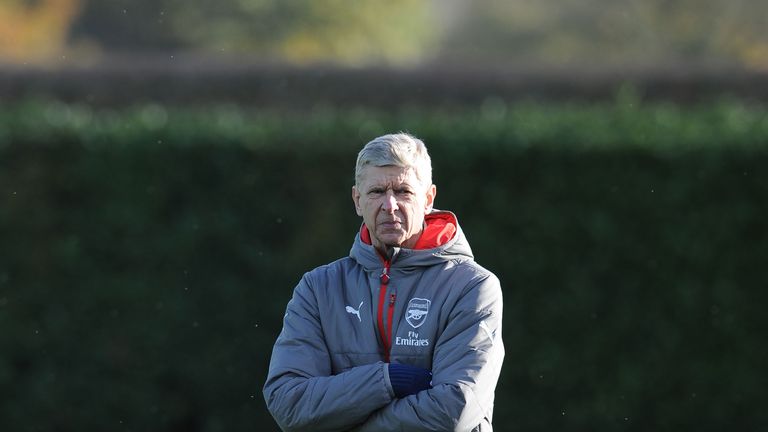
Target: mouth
390,224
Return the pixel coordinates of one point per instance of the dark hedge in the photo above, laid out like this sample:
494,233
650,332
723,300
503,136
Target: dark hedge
146,256
114,80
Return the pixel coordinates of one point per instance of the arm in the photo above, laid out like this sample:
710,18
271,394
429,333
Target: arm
301,393
466,366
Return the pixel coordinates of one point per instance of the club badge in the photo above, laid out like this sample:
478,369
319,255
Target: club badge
417,311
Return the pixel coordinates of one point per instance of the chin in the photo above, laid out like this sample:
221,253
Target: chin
392,242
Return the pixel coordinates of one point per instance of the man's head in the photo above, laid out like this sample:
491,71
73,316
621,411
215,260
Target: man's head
393,189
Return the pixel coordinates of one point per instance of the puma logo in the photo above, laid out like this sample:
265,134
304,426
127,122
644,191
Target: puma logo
491,334
354,311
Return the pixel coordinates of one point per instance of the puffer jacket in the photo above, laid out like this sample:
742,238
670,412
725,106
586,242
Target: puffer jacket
431,307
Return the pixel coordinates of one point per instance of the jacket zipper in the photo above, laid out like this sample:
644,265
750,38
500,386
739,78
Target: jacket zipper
386,335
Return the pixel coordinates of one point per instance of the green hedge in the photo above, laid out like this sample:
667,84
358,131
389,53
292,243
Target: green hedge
147,253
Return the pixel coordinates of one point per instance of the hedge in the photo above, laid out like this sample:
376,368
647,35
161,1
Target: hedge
148,253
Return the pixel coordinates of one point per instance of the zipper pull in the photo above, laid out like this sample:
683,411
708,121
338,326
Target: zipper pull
392,299
384,276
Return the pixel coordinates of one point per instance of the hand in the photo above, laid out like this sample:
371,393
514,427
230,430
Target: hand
407,380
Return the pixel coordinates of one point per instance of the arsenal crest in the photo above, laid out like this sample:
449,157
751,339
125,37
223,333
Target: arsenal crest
416,312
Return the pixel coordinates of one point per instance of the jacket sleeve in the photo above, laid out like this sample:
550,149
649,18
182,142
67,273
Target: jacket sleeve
466,366
300,391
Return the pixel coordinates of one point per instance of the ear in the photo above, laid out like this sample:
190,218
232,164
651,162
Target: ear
431,194
356,200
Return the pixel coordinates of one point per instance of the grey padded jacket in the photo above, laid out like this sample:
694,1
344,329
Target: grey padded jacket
439,310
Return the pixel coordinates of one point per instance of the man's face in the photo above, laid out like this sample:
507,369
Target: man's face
392,202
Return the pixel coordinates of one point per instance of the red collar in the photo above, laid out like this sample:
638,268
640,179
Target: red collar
440,229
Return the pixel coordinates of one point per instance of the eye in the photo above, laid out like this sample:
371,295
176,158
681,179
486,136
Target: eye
376,191
404,192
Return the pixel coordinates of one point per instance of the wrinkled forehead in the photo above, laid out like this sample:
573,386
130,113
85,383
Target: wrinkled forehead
390,175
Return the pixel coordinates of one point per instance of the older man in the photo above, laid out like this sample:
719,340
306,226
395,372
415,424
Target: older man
405,333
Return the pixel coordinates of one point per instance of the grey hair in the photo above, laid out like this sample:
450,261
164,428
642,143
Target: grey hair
402,150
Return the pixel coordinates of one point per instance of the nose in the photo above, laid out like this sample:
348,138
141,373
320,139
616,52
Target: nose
390,202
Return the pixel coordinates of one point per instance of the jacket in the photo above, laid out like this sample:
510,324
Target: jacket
432,306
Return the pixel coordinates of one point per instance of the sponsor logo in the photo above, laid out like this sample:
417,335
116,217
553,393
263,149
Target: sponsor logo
411,340
354,311
416,312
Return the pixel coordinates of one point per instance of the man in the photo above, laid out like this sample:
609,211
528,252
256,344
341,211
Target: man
405,333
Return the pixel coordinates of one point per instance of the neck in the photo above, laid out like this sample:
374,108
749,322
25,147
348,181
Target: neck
385,251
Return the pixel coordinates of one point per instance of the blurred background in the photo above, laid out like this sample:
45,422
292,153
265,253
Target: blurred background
401,32
169,169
